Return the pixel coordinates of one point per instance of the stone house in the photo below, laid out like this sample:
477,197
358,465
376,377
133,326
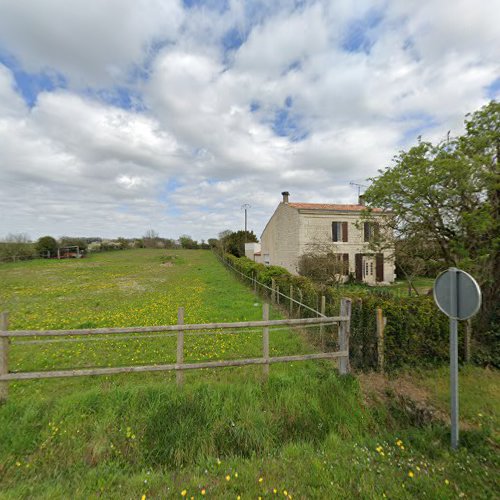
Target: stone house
298,228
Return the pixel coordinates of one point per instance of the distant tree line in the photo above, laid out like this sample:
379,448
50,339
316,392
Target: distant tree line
16,247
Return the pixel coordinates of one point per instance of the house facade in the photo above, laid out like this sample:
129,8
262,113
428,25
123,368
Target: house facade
296,229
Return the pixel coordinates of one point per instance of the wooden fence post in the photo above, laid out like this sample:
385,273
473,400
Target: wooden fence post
254,283
277,294
321,326
300,302
468,332
344,331
273,290
380,339
265,339
291,301
4,356
180,346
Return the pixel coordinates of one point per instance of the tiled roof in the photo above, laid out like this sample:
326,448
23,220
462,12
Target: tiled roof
327,206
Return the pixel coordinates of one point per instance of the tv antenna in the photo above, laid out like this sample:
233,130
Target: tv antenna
358,185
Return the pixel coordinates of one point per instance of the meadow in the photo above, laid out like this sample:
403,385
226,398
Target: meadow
305,432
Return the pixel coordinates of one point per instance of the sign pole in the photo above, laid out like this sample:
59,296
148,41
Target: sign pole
458,295
454,356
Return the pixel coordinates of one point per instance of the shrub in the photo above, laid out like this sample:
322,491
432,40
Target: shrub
416,331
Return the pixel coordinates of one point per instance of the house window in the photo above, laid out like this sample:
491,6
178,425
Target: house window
267,260
339,231
371,230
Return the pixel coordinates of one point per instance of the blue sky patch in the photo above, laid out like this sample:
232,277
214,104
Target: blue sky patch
120,97
233,39
254,106
359,34
420,122
493,89
141,72
287,124
217,5
29,85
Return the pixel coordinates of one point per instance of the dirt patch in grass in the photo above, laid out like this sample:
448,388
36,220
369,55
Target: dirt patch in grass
402,392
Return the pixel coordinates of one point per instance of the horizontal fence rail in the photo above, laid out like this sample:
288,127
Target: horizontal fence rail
173,366
170,328
178,330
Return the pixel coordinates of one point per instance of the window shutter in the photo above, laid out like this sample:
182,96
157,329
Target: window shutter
334,232
345,258
379,267
359,266
367,231
344,232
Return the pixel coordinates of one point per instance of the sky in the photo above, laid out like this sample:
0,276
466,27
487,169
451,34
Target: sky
121,116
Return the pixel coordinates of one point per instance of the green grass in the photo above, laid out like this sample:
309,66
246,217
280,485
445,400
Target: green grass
398,288
305,430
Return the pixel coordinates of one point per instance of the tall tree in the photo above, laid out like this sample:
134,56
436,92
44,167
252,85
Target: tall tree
448,194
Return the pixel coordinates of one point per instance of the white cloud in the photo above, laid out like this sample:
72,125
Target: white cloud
91,42
211,131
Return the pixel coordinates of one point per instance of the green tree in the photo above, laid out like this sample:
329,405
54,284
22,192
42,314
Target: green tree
187,242
234,243
46,246
448,195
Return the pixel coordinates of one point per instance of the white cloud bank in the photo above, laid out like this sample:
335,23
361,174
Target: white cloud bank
171,117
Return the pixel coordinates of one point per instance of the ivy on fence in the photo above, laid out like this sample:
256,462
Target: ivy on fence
416,331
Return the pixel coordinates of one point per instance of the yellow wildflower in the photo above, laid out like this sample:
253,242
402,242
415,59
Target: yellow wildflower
228,477
446,482
203,491
410,474
235,474
184,493
260,480
143,497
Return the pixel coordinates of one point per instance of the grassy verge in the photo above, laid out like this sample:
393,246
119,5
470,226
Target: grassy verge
303,433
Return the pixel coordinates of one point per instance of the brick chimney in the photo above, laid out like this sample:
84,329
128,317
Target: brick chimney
285,194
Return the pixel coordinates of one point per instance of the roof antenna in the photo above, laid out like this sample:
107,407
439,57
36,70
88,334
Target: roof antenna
359,186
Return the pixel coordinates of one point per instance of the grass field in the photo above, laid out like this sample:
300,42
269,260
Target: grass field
303,433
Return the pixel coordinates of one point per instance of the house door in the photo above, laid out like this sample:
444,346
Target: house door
368,269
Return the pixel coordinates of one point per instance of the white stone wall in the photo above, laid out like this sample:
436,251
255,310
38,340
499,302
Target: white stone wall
316,235
280,238
251,249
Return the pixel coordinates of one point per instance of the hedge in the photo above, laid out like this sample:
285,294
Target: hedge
417,333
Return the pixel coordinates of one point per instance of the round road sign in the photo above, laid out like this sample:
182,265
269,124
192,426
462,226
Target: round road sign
457,294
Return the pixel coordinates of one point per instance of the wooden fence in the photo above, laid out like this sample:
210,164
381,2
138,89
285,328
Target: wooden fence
343,322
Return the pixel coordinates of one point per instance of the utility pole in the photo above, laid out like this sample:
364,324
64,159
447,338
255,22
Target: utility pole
245,207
